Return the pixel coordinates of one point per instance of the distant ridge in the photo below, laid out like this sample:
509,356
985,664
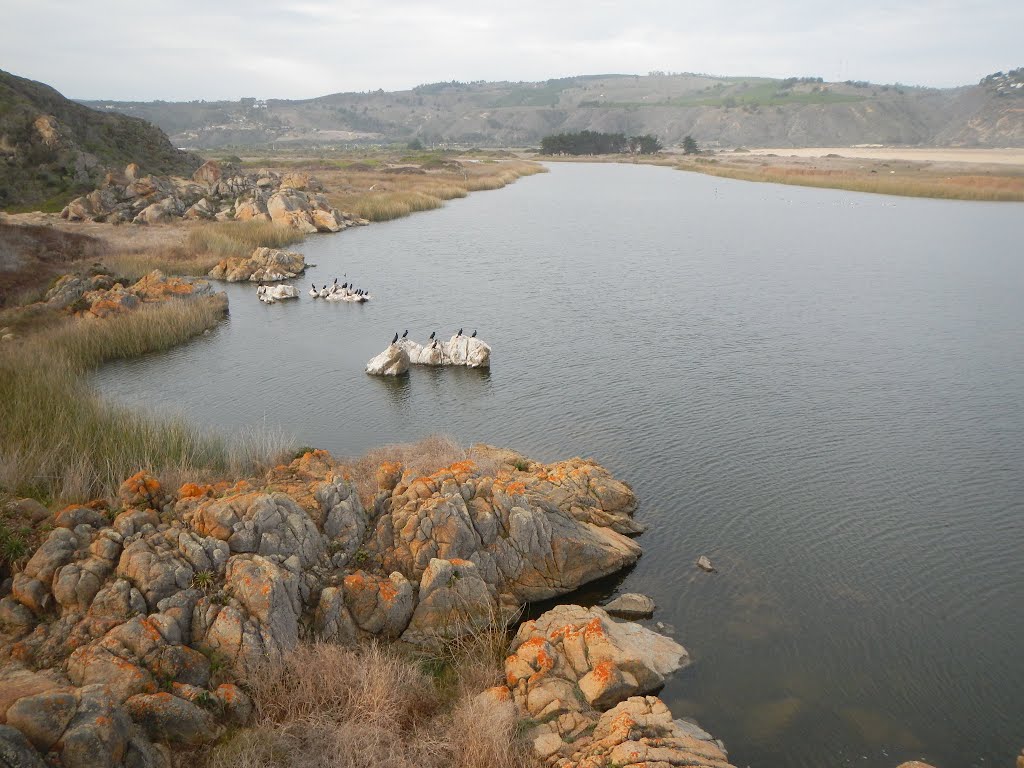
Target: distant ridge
52,148
717,111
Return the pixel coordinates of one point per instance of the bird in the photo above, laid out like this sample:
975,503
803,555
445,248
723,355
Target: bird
395,340
432,334
323,292
344,285
335,281
459,333
406,333
474,334
314,292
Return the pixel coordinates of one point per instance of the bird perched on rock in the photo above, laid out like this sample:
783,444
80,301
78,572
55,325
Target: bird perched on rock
395,340
406,333
474,334
459,333
432,334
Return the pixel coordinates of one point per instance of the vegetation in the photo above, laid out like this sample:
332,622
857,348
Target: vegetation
326,706
59,441
240,238
690,145
47,159
594,143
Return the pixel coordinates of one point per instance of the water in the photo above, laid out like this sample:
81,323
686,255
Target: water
822,391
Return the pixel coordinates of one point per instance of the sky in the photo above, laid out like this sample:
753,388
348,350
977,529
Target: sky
226,49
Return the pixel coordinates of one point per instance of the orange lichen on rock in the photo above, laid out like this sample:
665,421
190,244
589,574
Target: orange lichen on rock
193,490
141,489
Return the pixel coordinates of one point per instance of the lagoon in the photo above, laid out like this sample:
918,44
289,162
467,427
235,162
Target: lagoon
823,391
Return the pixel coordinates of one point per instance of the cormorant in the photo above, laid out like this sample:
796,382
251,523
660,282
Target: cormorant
459,333
474,335
395,340
406,333
432,334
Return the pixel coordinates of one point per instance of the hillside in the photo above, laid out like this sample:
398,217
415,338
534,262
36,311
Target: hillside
52,148
717,111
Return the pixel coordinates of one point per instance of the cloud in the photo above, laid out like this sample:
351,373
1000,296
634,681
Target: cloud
120,50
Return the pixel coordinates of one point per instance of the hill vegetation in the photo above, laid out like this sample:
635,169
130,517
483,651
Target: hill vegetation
52,149
716,111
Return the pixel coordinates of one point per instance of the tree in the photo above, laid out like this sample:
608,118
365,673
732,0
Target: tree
690,146
415,145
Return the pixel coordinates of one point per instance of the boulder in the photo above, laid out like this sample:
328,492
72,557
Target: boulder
276,293
16,751
454,600
393,361
379,605
265,264
168,718
290,208
209,173
705,564
631,606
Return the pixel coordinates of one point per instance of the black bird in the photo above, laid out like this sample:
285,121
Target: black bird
344,285
395,340
335,281
474,335
406,333
432,334
459,333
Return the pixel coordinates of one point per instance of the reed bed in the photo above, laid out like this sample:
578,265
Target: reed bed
225,239
60,442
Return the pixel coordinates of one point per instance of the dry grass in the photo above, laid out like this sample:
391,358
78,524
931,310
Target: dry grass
240,238
60,442
421,458
129,266
326,706
910,181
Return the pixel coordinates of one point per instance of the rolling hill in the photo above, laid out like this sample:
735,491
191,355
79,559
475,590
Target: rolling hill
717,111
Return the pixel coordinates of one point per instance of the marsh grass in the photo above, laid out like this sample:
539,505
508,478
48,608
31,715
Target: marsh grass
326,706
955,187
224,239
59,441
372,193
129,266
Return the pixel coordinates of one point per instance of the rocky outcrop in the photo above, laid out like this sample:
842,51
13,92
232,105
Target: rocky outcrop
458,350
265,264
579,676
99,296
271,294
144,624
631,606
213,192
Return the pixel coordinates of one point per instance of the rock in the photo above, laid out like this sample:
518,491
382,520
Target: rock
208,173
458,350
202,209
379,606
29,509
532,535
142,490
454,601
277,292
253,209
132,172
161,211
16,751
631,606
393,361
98,734
169,718
76,515
43,718
704,564
266,264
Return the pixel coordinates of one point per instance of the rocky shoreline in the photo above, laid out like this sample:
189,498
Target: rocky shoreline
135,625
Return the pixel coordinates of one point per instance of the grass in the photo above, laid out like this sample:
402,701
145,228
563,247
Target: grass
59,441
908,183
132,265
240,238
326,706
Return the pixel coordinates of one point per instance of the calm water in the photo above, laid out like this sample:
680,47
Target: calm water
823,391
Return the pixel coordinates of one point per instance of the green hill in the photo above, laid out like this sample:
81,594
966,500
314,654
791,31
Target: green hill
52,148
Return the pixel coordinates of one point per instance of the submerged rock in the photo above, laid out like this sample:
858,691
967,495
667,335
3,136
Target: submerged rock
705,564
631,606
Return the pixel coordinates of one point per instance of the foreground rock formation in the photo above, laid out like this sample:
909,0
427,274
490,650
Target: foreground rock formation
269,265
130,627
293,200
458,350
580,678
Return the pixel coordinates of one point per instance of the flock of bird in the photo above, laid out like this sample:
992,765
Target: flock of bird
343,292
433,337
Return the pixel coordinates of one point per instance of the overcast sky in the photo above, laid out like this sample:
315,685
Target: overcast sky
226,49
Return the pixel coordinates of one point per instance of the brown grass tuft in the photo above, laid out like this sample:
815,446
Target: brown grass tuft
239,238
325,706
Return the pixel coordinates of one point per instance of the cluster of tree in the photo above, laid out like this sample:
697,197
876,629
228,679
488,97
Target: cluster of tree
595,143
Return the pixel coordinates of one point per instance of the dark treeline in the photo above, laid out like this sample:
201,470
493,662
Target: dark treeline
594,143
